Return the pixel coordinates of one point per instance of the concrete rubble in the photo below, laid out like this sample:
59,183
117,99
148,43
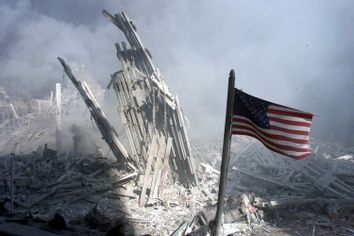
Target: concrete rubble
279,196
92,194
152,181
95,196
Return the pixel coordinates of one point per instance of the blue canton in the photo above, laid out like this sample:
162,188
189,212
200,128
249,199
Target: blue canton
252,108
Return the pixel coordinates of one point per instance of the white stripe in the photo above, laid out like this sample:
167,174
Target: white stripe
279,108
269,131
291,127
276,141
289,118
290,153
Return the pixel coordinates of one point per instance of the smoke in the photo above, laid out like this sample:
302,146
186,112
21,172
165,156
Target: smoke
77,137
32,40
83,140
297,53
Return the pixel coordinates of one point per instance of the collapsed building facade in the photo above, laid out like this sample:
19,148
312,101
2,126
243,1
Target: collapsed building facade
151,115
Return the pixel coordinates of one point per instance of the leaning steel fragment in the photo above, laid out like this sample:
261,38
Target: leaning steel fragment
107,131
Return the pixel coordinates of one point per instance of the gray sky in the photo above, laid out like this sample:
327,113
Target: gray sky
295,53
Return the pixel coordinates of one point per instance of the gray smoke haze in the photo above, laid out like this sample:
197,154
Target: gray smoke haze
296,53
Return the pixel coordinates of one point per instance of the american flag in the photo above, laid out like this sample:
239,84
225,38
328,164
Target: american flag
281,129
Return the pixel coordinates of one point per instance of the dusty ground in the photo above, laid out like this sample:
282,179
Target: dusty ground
89,209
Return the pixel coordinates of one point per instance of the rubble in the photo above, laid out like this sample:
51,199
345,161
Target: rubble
104,194
93,199
267,191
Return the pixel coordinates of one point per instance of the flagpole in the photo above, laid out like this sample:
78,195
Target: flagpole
225,155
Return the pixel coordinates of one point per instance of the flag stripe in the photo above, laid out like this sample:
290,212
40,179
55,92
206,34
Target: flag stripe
289,122
291,127
290,118
290,131
268,132
289,113
276,143
297,155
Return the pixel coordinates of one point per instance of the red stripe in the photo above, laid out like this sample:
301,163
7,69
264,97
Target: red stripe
290,113
270,148
273,136
289,122
290,131
280,146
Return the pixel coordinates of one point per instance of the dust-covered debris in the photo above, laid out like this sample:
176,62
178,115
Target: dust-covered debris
95,193
271,195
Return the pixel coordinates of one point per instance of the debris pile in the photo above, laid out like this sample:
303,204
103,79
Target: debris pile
267,174
93,194
264,188
44,183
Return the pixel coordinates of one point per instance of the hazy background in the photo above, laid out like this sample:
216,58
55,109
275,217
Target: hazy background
296,53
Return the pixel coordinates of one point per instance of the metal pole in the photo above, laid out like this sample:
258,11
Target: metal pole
225,155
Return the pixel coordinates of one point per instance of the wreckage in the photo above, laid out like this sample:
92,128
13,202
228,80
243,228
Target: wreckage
95,193
102,123
152,117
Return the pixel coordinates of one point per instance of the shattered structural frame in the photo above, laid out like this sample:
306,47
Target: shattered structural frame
152,116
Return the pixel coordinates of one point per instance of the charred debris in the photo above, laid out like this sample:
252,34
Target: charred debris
152,181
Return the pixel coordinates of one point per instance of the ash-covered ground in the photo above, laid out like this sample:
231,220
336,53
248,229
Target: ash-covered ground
87,192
